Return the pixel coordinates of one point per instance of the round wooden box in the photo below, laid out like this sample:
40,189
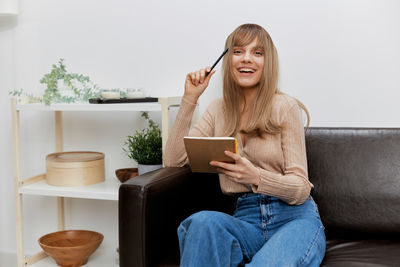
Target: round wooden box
75,168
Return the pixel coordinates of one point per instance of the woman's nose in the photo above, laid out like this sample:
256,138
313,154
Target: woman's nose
247,56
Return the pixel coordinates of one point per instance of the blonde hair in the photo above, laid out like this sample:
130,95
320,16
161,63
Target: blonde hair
260,119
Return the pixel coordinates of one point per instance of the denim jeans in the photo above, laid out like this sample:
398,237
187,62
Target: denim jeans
263,231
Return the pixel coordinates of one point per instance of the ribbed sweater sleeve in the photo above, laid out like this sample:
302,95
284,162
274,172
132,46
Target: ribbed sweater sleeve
292,186
174,154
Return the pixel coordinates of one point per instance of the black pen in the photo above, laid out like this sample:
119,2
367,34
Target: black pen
216,62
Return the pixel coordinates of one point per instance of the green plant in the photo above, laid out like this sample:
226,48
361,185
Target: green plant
145,146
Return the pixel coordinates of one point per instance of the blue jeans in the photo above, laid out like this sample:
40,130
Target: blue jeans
263,231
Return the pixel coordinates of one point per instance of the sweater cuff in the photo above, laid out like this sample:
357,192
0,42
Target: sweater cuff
291,189
267,182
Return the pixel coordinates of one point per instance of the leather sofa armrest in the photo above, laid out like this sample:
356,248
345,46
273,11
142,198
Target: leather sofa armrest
152,206
148,207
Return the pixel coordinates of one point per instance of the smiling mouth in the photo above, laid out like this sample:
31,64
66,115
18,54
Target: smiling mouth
246,70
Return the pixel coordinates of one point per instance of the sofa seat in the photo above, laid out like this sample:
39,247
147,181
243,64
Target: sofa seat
361,253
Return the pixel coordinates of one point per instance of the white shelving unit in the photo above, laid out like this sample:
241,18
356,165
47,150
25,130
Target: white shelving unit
37,185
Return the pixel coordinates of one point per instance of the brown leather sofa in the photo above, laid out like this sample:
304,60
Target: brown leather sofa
356,173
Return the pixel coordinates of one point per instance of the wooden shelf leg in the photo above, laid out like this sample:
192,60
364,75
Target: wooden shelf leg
17,184
59,148
61,217
19,230
58,131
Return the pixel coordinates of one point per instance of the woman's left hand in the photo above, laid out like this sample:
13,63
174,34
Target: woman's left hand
242,171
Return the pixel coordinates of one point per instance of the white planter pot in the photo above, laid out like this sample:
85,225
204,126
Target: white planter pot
142,168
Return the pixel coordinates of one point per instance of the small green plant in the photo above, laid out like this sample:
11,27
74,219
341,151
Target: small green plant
145,146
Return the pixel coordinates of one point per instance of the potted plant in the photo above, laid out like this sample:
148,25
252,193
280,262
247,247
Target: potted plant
145,147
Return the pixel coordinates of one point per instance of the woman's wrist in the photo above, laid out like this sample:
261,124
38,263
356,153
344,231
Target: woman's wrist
191,98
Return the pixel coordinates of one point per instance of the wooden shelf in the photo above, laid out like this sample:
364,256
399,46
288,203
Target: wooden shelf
107,190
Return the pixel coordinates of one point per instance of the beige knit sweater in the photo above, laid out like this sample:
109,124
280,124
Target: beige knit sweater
281,157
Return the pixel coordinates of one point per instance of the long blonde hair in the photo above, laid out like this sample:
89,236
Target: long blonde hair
260,119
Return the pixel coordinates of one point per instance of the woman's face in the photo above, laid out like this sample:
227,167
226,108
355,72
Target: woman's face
247,64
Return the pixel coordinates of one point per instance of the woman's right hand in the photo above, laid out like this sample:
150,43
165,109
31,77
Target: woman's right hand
196,82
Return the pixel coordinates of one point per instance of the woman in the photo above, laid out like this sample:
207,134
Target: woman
276,221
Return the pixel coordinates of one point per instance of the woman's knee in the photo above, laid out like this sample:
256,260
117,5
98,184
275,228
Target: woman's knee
201,226
203,219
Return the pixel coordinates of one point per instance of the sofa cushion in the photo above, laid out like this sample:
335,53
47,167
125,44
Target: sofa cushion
362,253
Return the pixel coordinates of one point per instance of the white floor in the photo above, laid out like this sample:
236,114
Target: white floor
8,259
98,259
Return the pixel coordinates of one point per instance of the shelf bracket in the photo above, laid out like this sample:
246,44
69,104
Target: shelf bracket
32,180
35,258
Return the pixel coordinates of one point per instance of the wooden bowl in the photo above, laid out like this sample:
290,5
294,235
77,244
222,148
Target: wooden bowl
71,248
125,174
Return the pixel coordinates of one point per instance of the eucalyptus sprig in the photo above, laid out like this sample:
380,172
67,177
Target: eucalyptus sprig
59,72
81,86
24,97
16,92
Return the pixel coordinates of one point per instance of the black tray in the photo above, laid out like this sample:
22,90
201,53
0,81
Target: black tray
122,100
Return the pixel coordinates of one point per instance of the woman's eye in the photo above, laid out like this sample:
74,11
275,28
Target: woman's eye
258,53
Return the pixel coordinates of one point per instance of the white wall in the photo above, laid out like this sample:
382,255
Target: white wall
340,58
7,80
